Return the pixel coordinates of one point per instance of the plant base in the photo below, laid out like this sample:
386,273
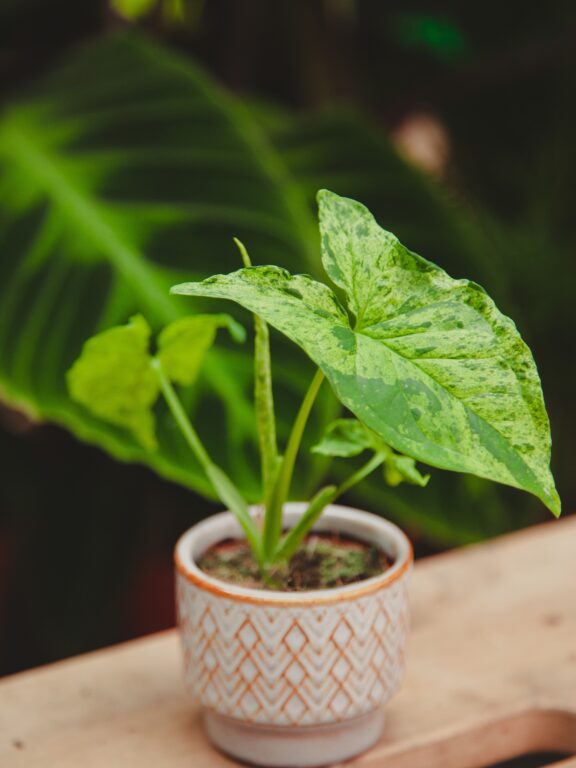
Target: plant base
294,746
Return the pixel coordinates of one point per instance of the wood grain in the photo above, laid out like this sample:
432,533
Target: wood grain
491,674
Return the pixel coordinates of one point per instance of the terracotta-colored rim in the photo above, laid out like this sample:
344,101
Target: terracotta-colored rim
190,571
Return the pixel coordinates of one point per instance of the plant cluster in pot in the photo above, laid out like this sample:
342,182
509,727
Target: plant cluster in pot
293,616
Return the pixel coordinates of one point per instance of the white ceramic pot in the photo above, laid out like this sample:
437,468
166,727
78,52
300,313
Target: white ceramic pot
286,678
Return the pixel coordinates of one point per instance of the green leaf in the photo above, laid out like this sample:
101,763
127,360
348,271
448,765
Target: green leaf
114,380
183,344
346,152
429,364
402,469
118,380
347,437
111,189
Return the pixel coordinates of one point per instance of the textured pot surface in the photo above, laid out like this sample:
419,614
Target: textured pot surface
288,663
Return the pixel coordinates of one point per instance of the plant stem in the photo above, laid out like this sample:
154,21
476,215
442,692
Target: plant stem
273,517
328,495
263,397
222,484
293,538
264,401
365,470
180,416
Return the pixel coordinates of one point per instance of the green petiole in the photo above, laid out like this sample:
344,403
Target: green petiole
321,500
273,517
263,398
223,486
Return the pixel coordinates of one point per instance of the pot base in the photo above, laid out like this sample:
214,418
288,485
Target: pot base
294,746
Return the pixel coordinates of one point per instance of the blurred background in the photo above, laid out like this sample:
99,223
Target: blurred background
136,138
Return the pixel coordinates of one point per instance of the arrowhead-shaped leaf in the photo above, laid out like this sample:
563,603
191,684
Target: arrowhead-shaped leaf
429,364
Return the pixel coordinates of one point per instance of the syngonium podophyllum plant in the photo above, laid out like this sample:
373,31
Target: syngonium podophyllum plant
428,367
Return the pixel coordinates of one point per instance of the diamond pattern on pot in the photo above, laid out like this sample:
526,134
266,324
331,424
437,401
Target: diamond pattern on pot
297,663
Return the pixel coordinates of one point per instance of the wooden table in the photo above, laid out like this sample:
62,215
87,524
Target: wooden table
491,675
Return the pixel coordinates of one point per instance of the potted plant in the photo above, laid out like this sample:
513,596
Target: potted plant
293,616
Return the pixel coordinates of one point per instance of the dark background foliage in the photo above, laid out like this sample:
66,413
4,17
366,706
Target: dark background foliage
479,96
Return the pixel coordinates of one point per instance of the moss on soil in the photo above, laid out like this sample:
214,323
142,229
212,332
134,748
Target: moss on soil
321,562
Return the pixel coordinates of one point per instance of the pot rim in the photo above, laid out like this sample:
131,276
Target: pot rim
335,513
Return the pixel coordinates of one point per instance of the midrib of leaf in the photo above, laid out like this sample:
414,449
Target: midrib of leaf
53,178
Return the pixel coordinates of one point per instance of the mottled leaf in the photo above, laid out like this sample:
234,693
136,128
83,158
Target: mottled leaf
429,364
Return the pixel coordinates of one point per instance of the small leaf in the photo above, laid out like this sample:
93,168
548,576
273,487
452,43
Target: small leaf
347,437
402,469
114,380
183,344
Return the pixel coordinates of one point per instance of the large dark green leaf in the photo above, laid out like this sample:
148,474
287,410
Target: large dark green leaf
124,171
429,363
